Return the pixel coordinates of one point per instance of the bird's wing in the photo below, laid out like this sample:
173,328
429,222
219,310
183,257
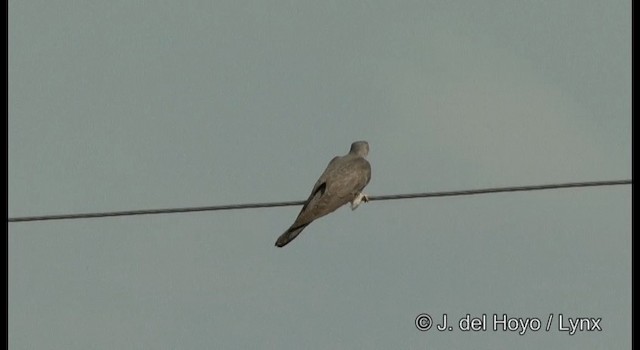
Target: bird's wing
320,186
349,179
343,178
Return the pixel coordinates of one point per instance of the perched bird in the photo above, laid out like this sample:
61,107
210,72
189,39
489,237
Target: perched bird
340,183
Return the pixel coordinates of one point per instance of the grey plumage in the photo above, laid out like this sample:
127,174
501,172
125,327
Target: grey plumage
340,183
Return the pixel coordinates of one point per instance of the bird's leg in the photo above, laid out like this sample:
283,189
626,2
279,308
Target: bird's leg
360,197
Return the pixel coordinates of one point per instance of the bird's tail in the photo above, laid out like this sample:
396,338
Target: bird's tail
290,234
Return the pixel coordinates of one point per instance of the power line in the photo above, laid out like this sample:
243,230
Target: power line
291,203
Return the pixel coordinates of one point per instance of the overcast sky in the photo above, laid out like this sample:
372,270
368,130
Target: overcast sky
118,105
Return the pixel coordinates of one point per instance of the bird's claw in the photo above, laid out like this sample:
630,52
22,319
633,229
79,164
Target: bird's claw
360,197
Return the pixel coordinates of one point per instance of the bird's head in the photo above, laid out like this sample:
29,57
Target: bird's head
359,148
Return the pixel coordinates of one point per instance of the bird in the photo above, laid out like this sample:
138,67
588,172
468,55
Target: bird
341,182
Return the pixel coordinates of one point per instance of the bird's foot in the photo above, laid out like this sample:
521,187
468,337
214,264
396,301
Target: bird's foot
360,197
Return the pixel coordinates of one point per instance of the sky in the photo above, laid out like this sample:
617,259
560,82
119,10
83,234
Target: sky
125,105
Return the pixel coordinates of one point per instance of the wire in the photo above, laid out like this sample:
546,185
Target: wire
291,203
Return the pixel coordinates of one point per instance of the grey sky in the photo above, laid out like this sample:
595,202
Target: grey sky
151,104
